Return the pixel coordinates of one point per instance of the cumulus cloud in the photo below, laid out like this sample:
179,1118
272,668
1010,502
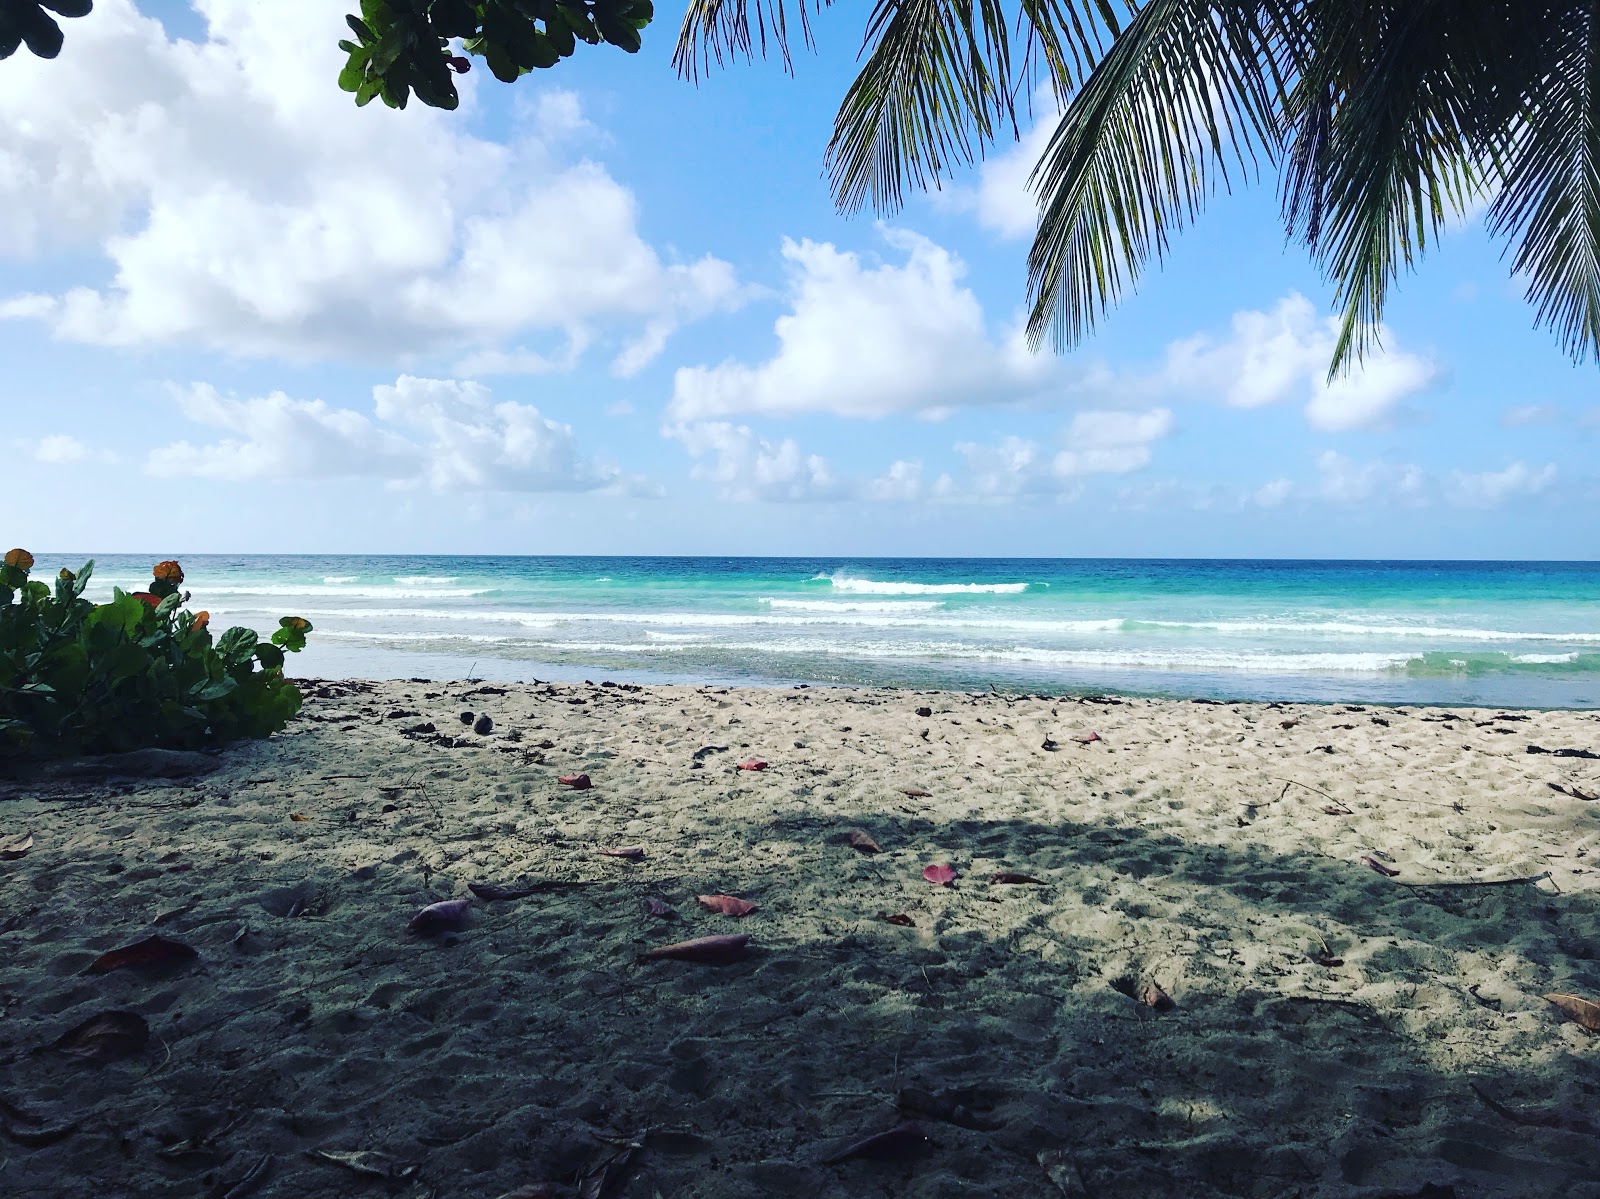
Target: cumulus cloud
746,466
1489,489
1524,415
1271,357
1342,480
446,434
246,205
864,340
1096,443
62,449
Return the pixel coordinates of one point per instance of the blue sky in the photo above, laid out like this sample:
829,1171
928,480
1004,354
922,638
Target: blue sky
606,311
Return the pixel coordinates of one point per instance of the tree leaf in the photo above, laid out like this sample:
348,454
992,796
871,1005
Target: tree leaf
106,1037
902,919
939,876
578,782
1006,876
1152,996
915,793
366,1162
753,764
1585,1011
631,853
708,951
725,905
654,905
446,916
153,951
898,1144
1386,871
862,840
12,848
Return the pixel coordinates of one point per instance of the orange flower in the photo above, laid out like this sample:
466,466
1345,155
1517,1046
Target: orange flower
169,572
21,559
201,619
295,622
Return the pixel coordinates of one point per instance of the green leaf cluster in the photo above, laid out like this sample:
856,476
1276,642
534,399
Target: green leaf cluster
139,671
25,22
403,47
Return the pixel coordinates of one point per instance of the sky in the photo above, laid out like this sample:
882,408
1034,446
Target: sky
606,311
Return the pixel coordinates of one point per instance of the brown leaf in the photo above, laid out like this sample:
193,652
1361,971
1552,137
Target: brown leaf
366,1162
915,793
725,905
708,951
753,764
298,818
1006,876
106,1037
578,782
902,919
654,905
12,848
1152,996
898,1144
939,876
1330,963
1585,1011
632,853
862,840
1386,871
446,916
1336,810
1086,738
1287,724
1575,792
152,951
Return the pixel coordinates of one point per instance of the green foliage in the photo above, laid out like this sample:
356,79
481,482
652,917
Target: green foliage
80,677
403,46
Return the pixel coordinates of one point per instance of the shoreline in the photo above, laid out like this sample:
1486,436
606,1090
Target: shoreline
1334,1027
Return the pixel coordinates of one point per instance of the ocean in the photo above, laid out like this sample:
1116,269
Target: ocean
1496,634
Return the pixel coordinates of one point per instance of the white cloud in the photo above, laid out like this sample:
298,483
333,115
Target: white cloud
1343,481
745,466
1111,443
1272,494
1284,354
62,449
870,341
248,206
1489,489
443,433
1004,203
1524,415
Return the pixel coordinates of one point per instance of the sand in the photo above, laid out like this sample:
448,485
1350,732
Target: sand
1333,1030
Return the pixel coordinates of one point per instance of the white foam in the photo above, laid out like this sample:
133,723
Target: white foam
335,580
849,606
875,587
287,590
1543,659
423,580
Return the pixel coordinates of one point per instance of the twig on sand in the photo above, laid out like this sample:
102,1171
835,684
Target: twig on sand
328,777
1287,783
1488,882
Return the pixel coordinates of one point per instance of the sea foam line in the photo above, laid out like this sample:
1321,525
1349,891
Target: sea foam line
877,587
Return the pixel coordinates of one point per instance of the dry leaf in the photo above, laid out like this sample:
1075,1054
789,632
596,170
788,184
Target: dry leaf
1335,810
924,712
863,841
1387,871
12,848
915,793
633,853
1287,724
1152,996
753,764
606,1175
298,818
578,782
654,905
446,916
106,1037
939,876
726,905
1585,1011
1086,738
900,918
1006,876
708,951
1330,963
152,951
897,1144
366,1162
246,1184
1575,792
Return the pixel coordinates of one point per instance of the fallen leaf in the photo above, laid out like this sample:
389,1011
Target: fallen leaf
897,1144
753,764
1585,1011
726,905
606,1175
633,853
12,848
863,841
1287,724
536,1190
489,892
31,1130
915,793
1086,738
1006,876
1387,871
708,951
654,905
152,951
106,1037
366,1162
1575,792
900,918
1152,996
446,916
578,782
939,876
1335,810
298,818
924,712
246,1184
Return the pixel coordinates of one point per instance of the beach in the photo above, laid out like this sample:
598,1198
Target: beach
1247,949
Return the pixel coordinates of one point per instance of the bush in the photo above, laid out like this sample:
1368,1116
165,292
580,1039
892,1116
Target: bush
81,677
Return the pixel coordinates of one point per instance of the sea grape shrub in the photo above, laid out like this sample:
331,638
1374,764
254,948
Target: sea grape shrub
139,671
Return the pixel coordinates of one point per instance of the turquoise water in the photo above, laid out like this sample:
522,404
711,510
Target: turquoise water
1494,634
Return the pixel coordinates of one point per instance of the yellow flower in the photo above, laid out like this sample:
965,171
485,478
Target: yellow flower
169,572
66,576
295,622
21,559
202,619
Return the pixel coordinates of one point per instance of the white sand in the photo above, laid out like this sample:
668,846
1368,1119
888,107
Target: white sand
1174,851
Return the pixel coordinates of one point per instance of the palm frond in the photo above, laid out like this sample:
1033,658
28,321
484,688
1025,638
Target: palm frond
718,31
1185,89
1551,187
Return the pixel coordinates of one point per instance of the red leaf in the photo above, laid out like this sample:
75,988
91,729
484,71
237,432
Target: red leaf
447,916
654,905
726,905
915,793
753,764
939,876
106,1037
863,841
1008,877
895,1145
152,951
578,782
298,818
900,918
708,951
1386,871
1086,738
153,600
633,853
